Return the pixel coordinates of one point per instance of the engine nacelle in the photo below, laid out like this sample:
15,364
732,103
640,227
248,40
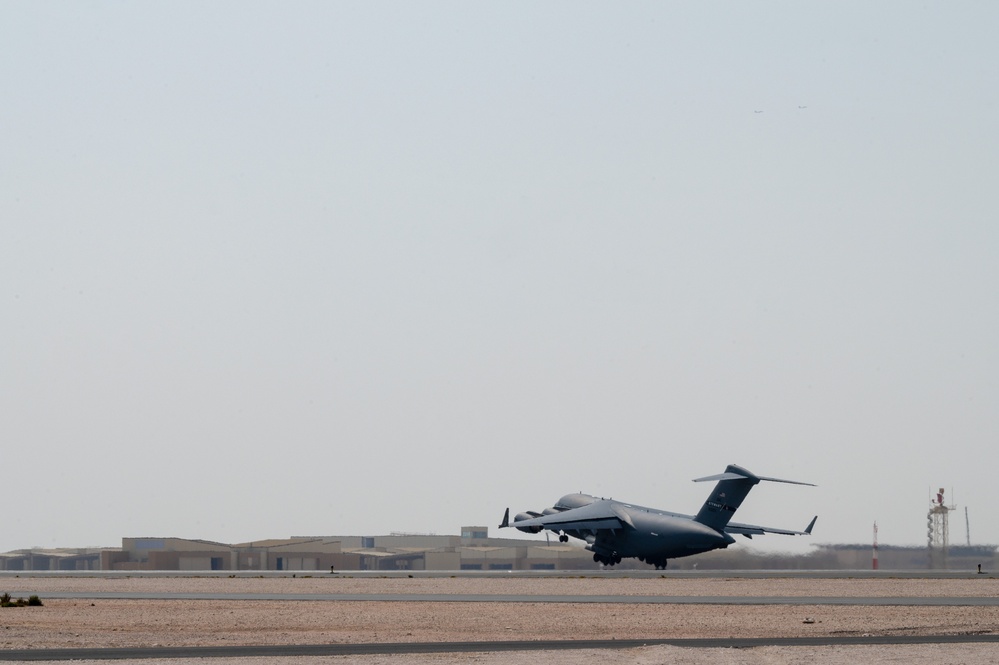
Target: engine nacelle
526,529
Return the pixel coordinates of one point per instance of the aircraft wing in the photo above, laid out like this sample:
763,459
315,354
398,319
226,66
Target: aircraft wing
591,517
750,530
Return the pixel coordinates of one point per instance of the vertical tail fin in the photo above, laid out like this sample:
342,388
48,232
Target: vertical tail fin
728,494
726,497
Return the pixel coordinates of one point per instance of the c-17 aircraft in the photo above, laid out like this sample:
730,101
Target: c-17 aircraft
614,530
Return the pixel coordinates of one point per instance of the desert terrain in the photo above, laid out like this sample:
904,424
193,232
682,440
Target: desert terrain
96,622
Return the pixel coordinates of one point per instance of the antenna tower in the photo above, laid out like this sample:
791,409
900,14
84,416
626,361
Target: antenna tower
938,531
874,560
967,527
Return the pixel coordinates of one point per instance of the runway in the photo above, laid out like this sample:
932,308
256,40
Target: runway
608,573
910,601
410,648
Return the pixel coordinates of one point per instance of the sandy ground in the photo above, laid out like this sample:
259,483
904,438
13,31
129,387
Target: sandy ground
116,623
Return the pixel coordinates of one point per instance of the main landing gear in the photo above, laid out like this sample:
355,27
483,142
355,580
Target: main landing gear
563,538
607,560
660,564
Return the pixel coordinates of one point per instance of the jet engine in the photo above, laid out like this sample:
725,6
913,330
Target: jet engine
526,516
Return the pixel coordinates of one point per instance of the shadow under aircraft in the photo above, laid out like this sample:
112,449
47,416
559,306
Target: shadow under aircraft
614,530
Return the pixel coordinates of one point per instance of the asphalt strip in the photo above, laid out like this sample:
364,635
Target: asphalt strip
909,601
403,648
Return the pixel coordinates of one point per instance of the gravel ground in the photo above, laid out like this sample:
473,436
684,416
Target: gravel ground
118,623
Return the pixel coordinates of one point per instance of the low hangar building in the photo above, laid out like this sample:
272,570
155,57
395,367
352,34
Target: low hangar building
473,550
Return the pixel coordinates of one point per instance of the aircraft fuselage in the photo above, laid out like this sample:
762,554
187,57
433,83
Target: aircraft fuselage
653,535
614,530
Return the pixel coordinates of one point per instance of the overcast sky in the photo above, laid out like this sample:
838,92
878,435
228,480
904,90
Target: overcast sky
272,269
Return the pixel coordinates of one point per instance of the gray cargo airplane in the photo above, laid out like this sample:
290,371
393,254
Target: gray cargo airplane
614,530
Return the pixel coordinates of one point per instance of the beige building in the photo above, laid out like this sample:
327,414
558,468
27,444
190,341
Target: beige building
168,554
293,554
472,550
86,558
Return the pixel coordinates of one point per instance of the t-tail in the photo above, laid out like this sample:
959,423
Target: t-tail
728,495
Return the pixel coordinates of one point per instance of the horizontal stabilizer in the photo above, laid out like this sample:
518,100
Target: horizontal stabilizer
723,476
781,480
749,476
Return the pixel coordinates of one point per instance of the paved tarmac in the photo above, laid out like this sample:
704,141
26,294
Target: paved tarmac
934,601
609,573
404,648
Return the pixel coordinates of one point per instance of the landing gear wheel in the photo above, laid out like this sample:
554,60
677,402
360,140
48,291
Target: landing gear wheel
563,538
607,560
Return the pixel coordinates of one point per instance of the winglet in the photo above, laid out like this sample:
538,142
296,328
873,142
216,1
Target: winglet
808,529
506,519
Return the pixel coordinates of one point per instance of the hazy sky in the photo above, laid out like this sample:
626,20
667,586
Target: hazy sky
274,269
